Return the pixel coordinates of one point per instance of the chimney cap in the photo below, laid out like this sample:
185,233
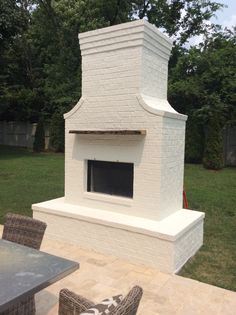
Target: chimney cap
130,34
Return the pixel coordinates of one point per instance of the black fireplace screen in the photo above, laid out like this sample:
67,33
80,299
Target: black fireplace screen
111,178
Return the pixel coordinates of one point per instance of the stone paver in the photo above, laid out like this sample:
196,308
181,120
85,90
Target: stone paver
101,276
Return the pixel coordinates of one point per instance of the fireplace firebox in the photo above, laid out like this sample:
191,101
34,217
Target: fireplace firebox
112,178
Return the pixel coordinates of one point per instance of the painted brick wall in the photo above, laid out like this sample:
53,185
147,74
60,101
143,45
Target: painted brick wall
188,245
120,64
154,74
124,86
111,73
173,141
138,248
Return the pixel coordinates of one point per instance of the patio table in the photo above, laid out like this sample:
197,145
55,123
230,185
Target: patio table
25,271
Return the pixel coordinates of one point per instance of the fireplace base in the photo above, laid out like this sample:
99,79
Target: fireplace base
165,245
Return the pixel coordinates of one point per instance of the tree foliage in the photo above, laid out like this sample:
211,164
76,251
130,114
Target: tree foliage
203,82
194,144
213,154
10,20
204,76
40,58
179,18
57,132
41,64
39,137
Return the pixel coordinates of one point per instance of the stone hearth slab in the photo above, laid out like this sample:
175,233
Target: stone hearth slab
165,244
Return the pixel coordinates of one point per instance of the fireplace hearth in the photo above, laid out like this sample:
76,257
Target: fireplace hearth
124,155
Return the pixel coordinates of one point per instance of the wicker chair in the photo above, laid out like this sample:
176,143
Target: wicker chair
73,304
29,232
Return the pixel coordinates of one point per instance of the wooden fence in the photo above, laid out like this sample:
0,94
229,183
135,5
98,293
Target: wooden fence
230,146
20,134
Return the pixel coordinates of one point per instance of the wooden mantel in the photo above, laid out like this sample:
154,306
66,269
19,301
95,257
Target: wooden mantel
123,132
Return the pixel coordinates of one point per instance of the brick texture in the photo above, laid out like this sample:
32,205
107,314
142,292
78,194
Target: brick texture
119,64
139,248
124,86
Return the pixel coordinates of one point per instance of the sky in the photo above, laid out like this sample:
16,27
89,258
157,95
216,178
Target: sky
226,16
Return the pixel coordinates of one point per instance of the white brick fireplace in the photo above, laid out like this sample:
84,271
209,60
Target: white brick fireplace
124,156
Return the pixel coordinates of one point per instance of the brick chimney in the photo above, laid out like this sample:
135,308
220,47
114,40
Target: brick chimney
130,58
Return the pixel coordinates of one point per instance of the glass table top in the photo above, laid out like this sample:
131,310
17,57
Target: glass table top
25,271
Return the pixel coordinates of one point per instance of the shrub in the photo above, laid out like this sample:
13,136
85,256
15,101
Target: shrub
194,144
39,138
213,154
57,132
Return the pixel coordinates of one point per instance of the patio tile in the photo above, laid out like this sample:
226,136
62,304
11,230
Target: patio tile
101,276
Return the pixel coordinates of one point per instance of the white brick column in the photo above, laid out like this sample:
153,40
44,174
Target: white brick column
127,58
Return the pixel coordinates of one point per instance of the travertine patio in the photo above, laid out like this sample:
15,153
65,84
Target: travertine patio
101,276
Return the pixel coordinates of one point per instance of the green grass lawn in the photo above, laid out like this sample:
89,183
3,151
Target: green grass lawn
214,192
27,178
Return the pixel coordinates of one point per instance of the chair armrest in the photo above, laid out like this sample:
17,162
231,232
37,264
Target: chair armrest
72,304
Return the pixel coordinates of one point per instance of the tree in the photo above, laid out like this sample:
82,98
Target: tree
213,154
39,138
18,96
57,132
40,59
194,143
181,19
10,21
203,85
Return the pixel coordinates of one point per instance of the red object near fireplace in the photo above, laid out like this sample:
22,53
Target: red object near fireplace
185,201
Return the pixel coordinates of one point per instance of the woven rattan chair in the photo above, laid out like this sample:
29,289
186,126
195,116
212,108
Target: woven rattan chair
29,232
73,304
